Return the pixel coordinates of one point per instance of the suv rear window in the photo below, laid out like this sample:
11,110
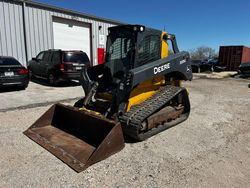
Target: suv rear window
9,61
75,57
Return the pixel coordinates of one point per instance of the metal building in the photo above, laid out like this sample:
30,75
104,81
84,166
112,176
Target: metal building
27,27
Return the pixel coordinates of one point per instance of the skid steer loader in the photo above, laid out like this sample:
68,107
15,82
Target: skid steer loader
136,92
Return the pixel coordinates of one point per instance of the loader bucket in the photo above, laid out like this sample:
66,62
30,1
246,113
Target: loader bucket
77,137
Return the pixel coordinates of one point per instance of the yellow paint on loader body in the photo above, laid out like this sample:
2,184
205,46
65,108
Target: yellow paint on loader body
148,88
145,90
164,46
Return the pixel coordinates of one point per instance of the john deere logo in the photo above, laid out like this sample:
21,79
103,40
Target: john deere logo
161,68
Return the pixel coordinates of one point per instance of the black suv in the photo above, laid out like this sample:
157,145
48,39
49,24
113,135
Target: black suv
58,65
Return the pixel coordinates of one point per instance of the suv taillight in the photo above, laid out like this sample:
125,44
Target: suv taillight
23,71
62,67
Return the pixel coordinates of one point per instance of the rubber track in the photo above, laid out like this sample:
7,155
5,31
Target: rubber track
138,113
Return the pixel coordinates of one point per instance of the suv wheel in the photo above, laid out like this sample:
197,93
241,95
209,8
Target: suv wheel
52,80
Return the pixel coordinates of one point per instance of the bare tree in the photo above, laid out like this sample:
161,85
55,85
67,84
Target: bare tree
202,53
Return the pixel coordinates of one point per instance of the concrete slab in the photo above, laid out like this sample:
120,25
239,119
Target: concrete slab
215,75
39,93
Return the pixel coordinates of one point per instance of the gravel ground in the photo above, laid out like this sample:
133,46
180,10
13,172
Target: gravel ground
210,149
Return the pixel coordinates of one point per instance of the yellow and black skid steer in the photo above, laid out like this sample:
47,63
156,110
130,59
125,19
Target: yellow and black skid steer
136,92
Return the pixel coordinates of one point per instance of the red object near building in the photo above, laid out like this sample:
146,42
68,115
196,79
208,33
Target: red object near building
101,57
232,56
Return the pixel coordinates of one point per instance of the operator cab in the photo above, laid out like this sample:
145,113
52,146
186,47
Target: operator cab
130,46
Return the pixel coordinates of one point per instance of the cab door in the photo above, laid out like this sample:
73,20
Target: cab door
36,63
45,64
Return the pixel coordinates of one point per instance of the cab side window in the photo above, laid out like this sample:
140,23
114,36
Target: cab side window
149,49
47,57
56,58
40,56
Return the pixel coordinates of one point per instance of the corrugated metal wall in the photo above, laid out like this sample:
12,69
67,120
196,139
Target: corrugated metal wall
11,30
39,31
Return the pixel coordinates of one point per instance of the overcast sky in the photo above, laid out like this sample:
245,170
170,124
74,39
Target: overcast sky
195,22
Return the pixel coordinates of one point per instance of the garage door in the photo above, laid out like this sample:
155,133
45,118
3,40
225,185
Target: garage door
71,35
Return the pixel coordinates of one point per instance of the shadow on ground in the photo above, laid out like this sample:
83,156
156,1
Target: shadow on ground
243,76
60,84
11,89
